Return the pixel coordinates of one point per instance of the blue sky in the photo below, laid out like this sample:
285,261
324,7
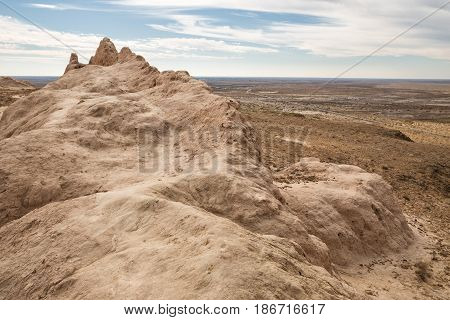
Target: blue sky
284,38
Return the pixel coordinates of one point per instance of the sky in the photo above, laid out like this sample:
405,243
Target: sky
233,38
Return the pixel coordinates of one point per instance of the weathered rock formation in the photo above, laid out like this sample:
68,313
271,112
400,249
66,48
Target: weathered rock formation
73,63
106,54
129,183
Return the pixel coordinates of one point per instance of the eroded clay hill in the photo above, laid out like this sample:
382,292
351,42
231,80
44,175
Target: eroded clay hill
107,191
9,83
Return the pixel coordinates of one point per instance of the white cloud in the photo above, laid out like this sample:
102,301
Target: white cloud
355,28
45,6
22,39
317,7
61,6
192,45
29,38
293,6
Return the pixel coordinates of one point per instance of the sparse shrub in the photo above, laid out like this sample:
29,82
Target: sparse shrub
423,271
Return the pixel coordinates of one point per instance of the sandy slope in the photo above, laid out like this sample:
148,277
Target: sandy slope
11,90
13,84
85,215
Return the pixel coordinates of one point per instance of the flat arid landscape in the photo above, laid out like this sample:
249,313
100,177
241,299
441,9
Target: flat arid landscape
119,181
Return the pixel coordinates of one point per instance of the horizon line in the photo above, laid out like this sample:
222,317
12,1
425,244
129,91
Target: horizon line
270,77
